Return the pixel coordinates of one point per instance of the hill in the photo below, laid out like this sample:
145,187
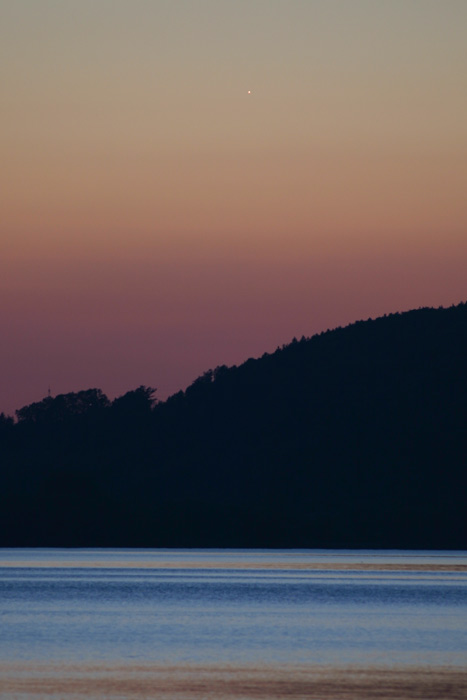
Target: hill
352,438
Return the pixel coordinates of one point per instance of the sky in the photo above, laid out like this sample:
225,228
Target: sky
190,183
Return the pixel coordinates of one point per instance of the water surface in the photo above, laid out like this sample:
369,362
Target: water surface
215,623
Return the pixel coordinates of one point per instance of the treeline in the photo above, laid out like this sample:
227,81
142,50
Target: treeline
356,437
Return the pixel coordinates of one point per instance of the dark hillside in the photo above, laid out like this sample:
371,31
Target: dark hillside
352,438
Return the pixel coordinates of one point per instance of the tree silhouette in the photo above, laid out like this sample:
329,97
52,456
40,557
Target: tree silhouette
63,407
352,438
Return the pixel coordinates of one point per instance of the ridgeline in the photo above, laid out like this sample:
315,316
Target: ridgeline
356,437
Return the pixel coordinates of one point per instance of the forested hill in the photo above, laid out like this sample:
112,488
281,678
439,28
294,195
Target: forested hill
353,438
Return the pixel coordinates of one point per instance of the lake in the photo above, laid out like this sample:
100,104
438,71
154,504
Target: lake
232,624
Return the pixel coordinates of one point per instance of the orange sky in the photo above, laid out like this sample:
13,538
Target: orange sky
158,220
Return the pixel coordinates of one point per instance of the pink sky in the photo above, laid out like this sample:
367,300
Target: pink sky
158,220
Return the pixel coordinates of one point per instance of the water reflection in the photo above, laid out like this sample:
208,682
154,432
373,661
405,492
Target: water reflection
232,624
229,683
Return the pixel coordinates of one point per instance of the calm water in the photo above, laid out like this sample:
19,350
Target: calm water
164,609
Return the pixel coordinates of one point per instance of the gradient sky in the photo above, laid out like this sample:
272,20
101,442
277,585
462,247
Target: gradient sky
158,220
